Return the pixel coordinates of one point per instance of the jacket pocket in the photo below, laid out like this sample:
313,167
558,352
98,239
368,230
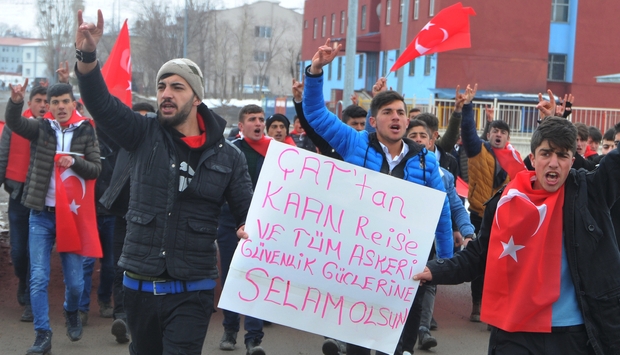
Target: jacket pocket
212,182
141,230
200,239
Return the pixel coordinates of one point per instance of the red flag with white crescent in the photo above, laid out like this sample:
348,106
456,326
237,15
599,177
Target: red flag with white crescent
448,30
524,259
76,216
116,71
510,160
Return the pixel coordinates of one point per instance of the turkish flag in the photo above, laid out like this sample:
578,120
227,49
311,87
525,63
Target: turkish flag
448,30
524,260
462,188
117,69
76,217
510,160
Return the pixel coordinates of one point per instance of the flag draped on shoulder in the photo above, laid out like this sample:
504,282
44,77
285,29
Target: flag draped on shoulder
448,30
76,217
524,259
116,71
510,160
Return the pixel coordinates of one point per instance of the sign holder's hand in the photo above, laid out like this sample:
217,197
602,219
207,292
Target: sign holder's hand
423,276
18,92
241,233
323,56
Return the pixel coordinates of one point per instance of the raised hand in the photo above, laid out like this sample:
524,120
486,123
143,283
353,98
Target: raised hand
355,99
298,90
88,34
470,93
380,85
63,72
544,107
459,100
489,112
323,56
18,92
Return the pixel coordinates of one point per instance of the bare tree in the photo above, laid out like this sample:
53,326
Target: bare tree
57,25
219,39
13,31
243,51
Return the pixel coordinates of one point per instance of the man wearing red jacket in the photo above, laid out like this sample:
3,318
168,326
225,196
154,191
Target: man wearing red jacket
14,161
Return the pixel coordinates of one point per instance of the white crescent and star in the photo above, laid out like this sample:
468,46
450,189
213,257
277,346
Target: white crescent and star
422,49
510,249
67,174
512,193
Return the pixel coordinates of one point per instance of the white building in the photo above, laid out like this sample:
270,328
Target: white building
21,58
256,50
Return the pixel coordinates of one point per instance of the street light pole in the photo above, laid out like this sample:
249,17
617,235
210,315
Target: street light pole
403,45
185,33
350,50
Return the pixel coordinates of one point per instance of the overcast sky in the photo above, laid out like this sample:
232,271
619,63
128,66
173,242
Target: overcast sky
23,12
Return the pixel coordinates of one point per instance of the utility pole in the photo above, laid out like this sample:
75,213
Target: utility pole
403,45
350,50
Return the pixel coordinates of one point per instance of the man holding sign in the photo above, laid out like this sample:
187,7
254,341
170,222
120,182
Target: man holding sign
384,151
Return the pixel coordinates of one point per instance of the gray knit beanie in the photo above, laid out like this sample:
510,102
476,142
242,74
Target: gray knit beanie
186,69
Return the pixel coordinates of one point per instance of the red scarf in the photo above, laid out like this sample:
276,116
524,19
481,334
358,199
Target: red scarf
75,117
510,160
589,152
297,133
19,155
260,146
199,140
289,140
519,294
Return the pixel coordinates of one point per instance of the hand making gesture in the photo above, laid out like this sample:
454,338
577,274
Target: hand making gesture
87,37
63,72
470,93
546,108
380,85
323,56
459,100
18,92
298,90
564,107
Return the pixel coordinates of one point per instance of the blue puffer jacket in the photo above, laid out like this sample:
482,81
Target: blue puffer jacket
363,149
460,217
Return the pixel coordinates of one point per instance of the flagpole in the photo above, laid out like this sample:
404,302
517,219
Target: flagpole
350,50
403,45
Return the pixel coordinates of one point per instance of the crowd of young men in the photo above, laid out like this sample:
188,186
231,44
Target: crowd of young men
189,184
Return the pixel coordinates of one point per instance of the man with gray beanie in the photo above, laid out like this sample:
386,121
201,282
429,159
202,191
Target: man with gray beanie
182,172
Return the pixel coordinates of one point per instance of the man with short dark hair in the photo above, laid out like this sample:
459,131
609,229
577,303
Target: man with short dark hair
384,151
182,171
65,131
608,141
414,112
554,219
277,128
594,138
354,116
14,162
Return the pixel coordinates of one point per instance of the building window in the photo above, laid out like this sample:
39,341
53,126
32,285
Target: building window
260,81
557,67
401,9
427,64
261,56
262,31
329,70
363,17
431,8
388,12
323,26
339,68
416,9
316,26
412,68
384,63
360,70
305,23
559,10
333,30
27,72
342,14
27,55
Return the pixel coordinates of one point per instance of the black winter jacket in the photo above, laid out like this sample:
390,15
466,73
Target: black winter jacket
591,248
168,231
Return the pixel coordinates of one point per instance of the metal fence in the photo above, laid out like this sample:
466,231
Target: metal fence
521,118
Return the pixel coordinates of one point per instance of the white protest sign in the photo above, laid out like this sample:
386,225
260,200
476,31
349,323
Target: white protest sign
333,248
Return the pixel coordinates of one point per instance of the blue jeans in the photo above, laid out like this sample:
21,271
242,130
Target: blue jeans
227,243
41,240
105,224
18,232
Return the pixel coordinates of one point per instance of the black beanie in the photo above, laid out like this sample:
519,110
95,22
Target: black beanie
278,117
